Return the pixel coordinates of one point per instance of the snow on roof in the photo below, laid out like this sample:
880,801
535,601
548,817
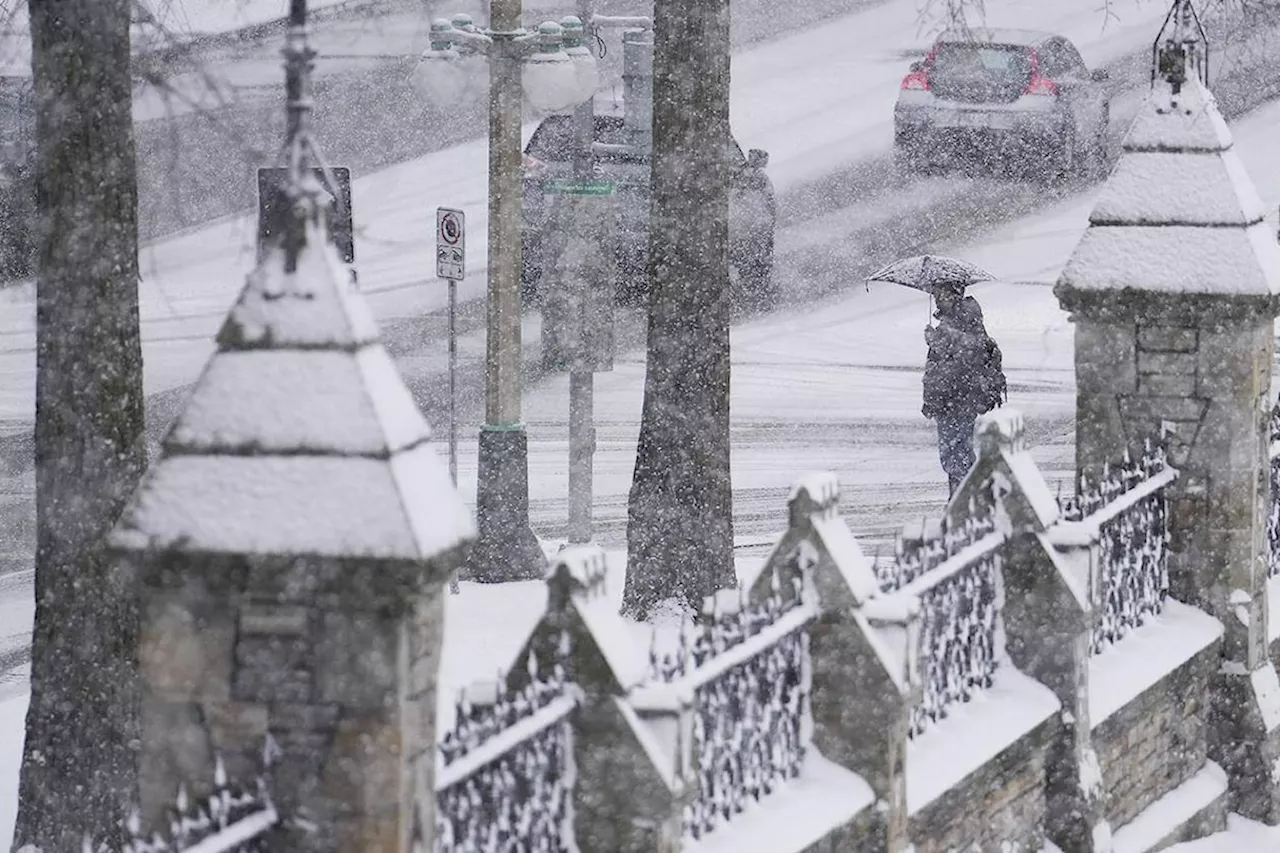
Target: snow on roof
300,438
1032,486
316,305
1179,215
795,816
973,733
326,401
662,755
1121,673
1176,259
996,36
854,565
336,506
624,643
1164,188
1192,124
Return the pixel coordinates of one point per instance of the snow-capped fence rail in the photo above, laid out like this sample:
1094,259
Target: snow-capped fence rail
1127,510
746,672
230,818
505,774
512,793
955,577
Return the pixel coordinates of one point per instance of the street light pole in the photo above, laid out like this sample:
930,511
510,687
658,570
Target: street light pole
582,432
506,548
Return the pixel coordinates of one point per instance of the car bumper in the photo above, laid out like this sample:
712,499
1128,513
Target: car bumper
913,124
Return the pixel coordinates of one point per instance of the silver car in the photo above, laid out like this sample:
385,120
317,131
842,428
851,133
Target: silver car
1018,98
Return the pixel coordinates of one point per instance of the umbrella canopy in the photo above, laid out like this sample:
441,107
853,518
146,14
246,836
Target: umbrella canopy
932,274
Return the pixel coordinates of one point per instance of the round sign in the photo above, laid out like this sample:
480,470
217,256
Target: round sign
450,230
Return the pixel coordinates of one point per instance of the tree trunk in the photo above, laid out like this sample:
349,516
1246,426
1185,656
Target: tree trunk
78,767
680,512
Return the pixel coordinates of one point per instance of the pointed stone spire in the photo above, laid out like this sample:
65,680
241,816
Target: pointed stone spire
1179,214
290,546
300,436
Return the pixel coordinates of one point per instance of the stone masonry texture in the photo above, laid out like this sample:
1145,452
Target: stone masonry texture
1157,741
1000,806
273,649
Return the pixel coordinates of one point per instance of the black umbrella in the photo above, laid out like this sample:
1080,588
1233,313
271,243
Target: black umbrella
932,274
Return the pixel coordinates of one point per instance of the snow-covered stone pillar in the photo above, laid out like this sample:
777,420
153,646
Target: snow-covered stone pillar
1173,292
290,546
864,650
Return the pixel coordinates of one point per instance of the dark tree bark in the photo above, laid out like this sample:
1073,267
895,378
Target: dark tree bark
680,512
78,767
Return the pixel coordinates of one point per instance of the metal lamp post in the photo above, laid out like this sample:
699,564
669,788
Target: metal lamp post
506,548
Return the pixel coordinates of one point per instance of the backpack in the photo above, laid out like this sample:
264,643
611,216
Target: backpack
991,382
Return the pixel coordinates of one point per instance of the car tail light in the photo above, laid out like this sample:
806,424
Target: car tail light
1039,85
532,167
916,81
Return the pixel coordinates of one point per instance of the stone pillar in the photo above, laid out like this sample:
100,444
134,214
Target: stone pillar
864,654
1173,292
290,546
1047,617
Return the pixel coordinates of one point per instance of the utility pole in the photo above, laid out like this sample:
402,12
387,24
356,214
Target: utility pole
506,548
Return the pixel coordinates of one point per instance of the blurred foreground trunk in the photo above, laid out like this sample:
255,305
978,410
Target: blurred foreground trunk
78,766
680,510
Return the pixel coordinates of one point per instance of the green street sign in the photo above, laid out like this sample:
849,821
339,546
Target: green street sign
565,187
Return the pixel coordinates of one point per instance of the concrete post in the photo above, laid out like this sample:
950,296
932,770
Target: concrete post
290,546
1174,295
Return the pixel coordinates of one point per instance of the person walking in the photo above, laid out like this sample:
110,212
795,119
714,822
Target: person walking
963,377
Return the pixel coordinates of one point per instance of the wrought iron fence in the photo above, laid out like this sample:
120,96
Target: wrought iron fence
1130,506
476,724
1116,480
748,732
1133,568
958,605
507,777
721,631
958,615
914,559
232,818
518,802
1273,518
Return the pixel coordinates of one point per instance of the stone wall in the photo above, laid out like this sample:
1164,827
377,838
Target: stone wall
1000,806
1157,741
240,651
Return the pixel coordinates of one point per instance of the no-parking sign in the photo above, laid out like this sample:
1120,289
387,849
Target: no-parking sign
451,244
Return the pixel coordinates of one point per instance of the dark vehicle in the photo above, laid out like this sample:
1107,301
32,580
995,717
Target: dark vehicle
752,207
1023,98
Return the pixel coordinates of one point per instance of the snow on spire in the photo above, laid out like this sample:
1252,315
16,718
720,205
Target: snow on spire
1179,213
300,437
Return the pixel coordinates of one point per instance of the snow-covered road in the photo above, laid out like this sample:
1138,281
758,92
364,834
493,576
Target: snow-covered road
813,116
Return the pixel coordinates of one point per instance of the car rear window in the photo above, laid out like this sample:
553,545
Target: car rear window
998,64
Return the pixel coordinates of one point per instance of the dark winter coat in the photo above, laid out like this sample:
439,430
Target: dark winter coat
962,373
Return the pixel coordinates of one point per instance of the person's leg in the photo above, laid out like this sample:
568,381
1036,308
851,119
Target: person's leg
955,448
